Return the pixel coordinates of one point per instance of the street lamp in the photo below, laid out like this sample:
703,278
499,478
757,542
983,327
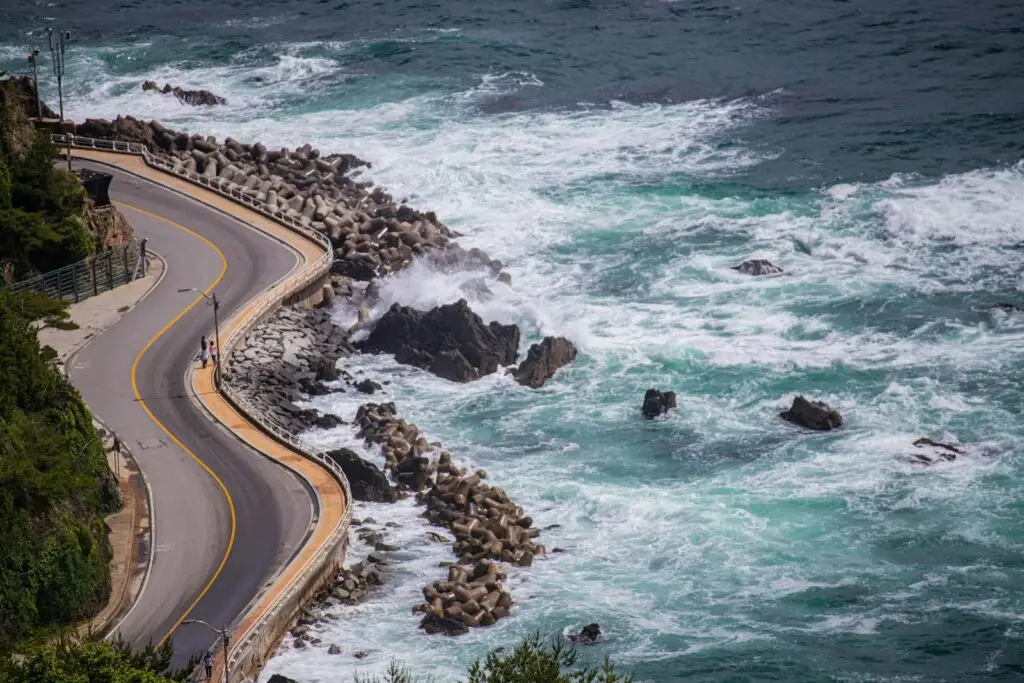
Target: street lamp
58,46
35,82
212,298
223,632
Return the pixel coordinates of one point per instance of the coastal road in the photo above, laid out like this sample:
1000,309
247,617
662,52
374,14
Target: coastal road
225,518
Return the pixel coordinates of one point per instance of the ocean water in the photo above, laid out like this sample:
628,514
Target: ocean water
620,156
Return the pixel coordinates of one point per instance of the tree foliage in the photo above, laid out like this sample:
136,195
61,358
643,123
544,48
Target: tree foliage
55,487
532,661
93,662
42,224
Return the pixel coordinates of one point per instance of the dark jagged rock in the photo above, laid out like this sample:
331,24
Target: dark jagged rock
543,360
451,341
326,370
432,624
941,450
199,97
367,481
367,386
123,128
812,414
588,635
658,402
1008,308
758,267
278,678
329,421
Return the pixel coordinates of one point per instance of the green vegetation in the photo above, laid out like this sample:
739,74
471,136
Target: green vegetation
42,225
55,488
532,661
96,662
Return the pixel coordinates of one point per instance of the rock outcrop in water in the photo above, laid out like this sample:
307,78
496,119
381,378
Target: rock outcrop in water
1008,308
758,267
812,415
543,360
935,451
368,483
588,635
657,402
450,341
194,97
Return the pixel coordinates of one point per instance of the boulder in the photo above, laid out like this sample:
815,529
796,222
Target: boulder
658,402
1008,308
278,678
368,482
367,386
326,370
329,421
937,450
589,634
758,266
432,624
194,97
812,414
543,360
451,341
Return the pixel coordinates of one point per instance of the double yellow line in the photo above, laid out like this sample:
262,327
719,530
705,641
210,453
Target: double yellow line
175,439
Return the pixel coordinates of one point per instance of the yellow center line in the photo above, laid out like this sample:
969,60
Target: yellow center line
138,397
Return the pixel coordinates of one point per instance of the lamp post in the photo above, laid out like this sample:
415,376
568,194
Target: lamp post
223,632
211,298
58,46
35,82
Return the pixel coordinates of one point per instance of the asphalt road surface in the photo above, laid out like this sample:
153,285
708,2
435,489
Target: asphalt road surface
273,508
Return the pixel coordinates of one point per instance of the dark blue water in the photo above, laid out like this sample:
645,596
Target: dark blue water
620,157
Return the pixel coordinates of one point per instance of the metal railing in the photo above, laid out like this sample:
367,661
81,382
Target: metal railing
90,277
267,302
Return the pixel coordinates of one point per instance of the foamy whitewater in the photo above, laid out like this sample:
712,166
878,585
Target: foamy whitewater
717,543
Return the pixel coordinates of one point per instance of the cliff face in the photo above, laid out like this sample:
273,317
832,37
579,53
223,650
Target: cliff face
16,130
107,227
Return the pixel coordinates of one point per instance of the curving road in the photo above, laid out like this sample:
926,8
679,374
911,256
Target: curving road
204,481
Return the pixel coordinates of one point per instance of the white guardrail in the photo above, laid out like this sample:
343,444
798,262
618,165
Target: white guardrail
311,272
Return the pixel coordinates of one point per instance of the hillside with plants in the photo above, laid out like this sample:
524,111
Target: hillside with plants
42,207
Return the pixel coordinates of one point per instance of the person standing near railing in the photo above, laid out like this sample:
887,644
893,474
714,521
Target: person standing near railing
202,349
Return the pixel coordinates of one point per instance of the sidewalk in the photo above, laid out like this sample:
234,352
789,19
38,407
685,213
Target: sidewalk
97,313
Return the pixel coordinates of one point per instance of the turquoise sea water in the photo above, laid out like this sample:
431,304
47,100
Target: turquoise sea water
619,157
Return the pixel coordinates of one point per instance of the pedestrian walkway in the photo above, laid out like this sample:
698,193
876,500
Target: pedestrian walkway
95,314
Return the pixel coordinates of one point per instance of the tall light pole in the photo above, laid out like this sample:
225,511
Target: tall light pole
58,46
223,632
211,298
32,59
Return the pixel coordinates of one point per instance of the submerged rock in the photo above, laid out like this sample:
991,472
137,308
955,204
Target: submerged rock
432,624
812,414
589,634
1008,308
199,97
367,481
543,360
936,450
658,402
450,341
758,266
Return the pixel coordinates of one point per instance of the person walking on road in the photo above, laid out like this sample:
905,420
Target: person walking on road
208,663
213,352
202,349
